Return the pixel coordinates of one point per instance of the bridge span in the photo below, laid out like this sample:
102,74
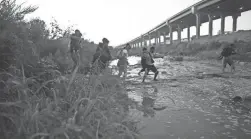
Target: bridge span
195,15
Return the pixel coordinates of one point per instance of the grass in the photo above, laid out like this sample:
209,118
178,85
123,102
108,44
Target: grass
64,107
38,100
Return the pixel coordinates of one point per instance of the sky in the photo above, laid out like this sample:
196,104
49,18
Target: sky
119,20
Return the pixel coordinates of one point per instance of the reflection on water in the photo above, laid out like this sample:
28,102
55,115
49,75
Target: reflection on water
148,104
196,107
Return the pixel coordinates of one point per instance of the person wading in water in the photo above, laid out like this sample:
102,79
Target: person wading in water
149,65
75,47
122,64
143,61
101,57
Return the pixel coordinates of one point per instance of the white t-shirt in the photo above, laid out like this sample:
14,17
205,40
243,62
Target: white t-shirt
125,53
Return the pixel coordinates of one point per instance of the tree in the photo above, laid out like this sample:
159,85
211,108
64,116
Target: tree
12,32
38,30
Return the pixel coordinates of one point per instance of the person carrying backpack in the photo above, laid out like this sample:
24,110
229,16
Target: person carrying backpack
152,52
101,57
226,55
122,64
149,65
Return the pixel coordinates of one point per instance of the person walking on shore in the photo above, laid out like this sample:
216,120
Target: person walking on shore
226,56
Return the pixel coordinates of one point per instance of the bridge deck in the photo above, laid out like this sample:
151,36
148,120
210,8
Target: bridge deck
186,18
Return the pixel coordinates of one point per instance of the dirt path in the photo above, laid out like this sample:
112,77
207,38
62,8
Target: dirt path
193,100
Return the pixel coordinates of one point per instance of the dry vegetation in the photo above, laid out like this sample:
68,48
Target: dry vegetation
38,100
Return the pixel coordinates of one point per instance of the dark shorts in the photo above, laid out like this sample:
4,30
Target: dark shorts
227,60
151,68
144,66
74,48
143,63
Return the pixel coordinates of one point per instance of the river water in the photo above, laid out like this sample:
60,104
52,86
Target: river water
191,100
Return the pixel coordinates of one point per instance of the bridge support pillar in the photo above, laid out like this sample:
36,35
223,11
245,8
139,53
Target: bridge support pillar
179,33
159,38
235,17
188,33
198,24
164,38
145,42
210,31
222,24
171,34
149,38
142,41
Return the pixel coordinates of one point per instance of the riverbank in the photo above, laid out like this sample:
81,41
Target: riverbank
192,99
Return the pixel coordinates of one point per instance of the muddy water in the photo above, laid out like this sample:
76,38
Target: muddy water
191,100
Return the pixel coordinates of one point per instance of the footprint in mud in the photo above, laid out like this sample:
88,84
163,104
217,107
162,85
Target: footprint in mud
238,104
246,101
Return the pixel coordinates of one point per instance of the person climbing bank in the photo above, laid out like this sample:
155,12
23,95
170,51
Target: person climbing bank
101,57
75,47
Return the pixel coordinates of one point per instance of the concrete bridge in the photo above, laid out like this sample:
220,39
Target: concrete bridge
195,15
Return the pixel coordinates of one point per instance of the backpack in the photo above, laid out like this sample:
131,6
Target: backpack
151,57
226,52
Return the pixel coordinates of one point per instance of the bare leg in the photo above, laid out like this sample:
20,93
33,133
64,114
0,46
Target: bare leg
232,67
223,65
144,77
142,70
74,59
120,71
125,72
155,76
